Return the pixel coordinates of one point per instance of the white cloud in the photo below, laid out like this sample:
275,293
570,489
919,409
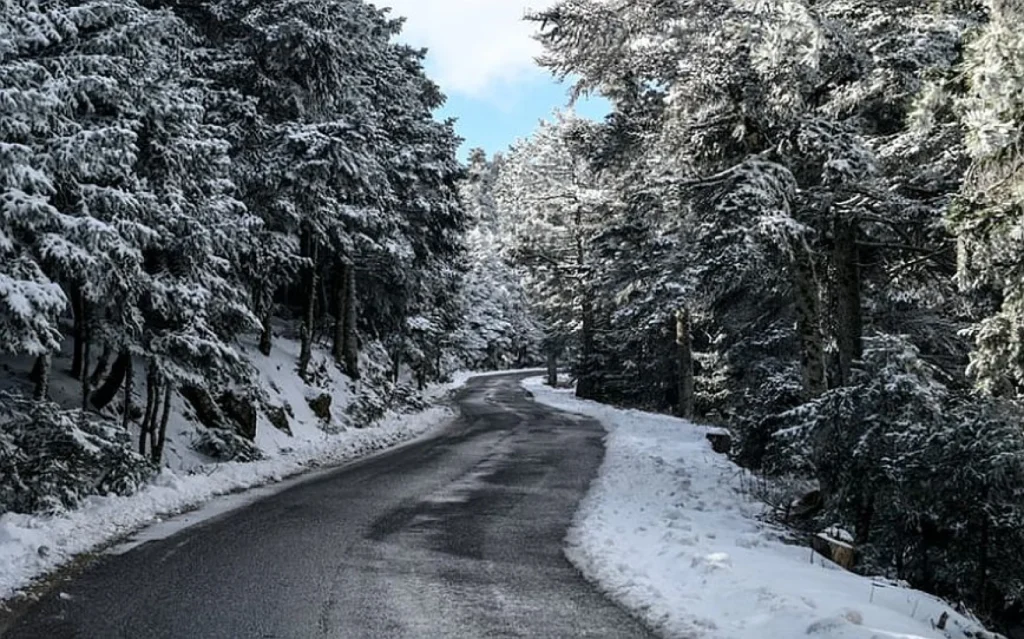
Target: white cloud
476,47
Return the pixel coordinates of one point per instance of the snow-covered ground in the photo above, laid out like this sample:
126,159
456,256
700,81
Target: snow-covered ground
33,545
668,533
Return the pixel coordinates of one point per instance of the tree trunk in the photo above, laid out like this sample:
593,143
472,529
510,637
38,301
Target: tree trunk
77,333
266,313
808,301
309,311
396,359
108,391
86,348
346,341
983,551
684,354
160,434
586,384
865,519
339,284
41,376
552,367
350,337
102,365
848,322
129,383
149,418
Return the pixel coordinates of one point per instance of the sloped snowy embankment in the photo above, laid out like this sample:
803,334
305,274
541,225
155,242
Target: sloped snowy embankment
666,532
32,546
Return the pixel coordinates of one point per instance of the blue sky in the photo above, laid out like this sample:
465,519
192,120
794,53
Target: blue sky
481,54
494,124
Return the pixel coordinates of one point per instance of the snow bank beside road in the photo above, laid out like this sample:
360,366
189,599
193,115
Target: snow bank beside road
32,545
666,532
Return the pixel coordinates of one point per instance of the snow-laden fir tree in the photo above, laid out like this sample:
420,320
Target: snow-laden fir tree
787,167
30,301
498,328
987,221
175,174
553,200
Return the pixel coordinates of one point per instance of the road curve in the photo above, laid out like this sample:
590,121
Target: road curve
457,536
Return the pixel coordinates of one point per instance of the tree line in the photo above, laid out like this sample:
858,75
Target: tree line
181,177
801,220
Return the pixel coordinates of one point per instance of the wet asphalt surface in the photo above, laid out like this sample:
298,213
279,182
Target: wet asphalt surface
457,536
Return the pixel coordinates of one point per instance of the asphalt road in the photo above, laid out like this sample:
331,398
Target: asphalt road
457,536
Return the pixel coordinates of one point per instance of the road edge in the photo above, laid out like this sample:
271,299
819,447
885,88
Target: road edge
15,605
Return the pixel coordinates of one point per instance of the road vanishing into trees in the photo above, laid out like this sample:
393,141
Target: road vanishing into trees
456,536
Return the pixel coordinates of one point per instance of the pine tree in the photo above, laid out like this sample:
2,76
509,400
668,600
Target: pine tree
553,200
987,217
30,301
498,329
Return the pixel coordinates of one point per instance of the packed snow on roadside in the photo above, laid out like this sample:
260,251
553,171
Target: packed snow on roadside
668,533
34,545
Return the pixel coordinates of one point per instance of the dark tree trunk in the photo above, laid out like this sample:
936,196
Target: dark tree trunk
586,385
309,292
684,355
396,359
160,433
338,341
41,376
350,336
129,383
78,333
865,519
552,367
848,319
149,418
808,303
86,349
266,313
108,391
983,551
102,365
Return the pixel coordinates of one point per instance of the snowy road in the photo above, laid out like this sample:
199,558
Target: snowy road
457,536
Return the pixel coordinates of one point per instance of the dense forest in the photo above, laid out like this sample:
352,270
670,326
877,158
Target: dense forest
800,220
182,184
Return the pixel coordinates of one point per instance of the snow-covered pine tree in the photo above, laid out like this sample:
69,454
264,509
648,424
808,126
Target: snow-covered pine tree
139,182
340,158
422,243
498,328
30,301
767,132
987,219
553,200
799,158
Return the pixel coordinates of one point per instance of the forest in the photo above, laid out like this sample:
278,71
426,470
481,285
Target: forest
182,184
801,220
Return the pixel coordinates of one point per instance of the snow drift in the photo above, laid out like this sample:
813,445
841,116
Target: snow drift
668,533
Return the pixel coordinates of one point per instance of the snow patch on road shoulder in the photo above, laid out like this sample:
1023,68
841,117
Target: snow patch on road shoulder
666,532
